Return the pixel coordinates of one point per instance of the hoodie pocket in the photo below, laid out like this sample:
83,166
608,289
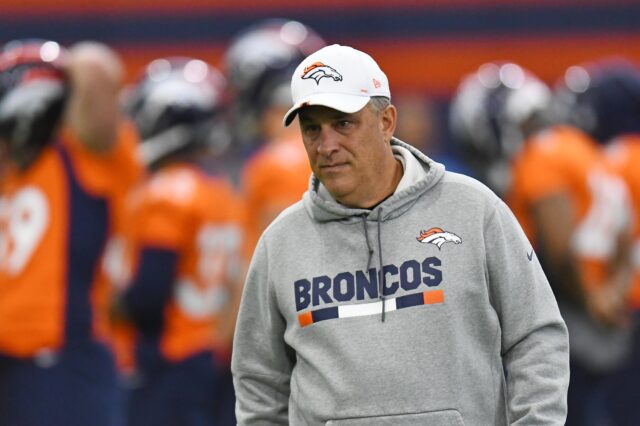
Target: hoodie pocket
432,418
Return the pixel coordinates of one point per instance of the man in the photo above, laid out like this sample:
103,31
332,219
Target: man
395,292
182,245
65,164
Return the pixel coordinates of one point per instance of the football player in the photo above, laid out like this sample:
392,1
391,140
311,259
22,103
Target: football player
65,162
182,248
603,99
259,64
573,208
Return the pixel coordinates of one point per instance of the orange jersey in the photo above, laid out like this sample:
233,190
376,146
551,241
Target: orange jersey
117,171
272,180
200,219
624,155
124,171
564,160
54,221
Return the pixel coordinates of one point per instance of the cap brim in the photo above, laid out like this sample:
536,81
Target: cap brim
338,101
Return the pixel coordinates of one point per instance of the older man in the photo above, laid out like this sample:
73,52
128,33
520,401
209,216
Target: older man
394,293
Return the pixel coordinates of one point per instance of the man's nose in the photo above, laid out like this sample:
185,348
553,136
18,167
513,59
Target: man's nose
329,141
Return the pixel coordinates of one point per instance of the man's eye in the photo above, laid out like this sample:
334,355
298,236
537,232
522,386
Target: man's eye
344,123
310,129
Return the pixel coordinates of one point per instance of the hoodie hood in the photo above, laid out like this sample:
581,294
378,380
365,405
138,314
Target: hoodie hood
322,209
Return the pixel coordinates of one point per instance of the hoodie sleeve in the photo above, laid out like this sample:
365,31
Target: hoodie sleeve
535,342
261,362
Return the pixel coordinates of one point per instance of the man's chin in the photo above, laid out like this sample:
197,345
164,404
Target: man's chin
334,188
339,193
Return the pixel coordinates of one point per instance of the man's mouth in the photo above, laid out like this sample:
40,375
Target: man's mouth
333,166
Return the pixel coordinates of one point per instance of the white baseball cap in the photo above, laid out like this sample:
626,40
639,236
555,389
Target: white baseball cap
338,77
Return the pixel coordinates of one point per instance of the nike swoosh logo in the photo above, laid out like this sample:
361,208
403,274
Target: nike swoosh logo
530,256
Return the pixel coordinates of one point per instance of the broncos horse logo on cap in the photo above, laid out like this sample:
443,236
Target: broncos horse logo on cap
317,71
438,237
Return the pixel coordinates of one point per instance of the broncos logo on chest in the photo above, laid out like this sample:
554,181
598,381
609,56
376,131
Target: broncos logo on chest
317,71
438,237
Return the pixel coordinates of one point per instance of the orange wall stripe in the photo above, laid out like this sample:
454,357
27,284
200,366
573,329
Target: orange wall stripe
435,66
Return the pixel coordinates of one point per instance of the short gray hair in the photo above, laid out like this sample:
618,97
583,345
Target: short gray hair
379,103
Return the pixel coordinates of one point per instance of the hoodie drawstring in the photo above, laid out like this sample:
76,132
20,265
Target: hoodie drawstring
381,282
366,238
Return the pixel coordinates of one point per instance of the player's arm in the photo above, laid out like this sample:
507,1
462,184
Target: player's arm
227,324
151,288
236,277
235,271
93,112
599,280
553,217
614,291
159,227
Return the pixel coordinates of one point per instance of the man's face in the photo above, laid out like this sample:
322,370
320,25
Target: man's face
350,153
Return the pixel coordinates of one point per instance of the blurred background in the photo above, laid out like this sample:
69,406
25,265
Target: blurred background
425,46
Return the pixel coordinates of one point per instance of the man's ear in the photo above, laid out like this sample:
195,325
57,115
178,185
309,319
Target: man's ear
388,121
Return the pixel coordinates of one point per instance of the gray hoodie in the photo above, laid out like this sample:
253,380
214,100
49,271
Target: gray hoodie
465,299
